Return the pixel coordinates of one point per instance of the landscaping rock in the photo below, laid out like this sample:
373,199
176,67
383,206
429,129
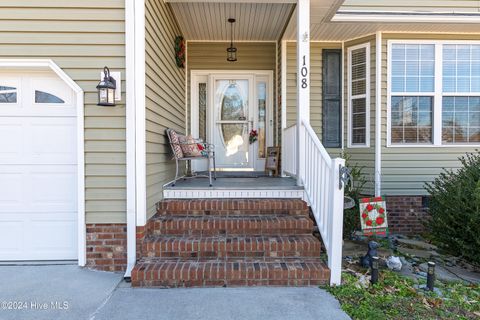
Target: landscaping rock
456,273
394,263
363,282
440,273
408,270
464,274
419,253
416,244
421,274
358,249
423,287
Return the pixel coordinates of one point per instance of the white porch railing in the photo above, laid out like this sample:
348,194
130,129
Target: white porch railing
323,190
289,164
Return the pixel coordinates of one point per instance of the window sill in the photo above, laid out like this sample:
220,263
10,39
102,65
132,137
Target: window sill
433,146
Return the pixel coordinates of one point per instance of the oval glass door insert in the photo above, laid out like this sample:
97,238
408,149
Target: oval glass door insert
232,108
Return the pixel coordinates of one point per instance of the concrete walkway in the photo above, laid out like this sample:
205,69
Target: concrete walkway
84,294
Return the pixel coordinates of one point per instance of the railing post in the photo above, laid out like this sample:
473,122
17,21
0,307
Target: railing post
336,223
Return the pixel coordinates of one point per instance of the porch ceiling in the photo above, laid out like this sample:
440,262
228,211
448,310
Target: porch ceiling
265,20
256,20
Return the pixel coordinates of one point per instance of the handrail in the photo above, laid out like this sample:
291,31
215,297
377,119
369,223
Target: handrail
317,142
320,175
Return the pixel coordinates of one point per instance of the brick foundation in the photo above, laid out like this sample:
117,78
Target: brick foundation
107,247
406,214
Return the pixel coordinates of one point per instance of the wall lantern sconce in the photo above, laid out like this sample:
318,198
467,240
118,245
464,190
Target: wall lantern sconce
231,51
106,89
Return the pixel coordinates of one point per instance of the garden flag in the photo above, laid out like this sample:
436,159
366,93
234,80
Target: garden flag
373,216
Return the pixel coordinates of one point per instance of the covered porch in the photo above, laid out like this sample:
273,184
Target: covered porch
226,101
222,101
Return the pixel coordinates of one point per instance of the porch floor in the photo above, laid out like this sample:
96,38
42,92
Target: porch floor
235,187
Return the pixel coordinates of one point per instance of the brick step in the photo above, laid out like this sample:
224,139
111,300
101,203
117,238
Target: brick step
231,247
227,207
230,225
158,272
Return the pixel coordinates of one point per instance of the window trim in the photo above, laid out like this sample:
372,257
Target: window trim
437,95
17,85
63,103
351,145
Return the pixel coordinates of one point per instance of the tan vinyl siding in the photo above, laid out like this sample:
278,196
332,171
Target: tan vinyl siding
315,83
405,170
165,97
81,37
362,157
213,56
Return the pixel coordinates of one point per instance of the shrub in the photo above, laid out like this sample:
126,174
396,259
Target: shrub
455,209
351,217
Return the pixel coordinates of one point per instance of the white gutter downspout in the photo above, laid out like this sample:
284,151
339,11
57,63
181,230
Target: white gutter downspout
130,139
378,115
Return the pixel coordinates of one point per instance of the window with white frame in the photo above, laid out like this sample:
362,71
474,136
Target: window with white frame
359,95
461,94
434,93
412,83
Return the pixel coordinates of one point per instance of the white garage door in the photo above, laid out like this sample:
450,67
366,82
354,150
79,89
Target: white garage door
38,182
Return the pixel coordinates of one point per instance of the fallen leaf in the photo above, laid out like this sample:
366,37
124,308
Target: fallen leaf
390,289
425,303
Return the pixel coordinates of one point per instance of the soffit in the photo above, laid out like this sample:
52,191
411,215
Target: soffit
207,21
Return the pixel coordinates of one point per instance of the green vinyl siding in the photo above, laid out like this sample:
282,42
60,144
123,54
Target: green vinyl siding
81,37
406,169
362,156
316,70
165,98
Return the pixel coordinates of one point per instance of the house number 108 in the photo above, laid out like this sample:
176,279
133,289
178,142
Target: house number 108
304,73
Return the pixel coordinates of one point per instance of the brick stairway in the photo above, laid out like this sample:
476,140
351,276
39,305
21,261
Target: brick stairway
196,243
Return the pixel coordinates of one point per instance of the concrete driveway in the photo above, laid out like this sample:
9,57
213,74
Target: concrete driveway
70,292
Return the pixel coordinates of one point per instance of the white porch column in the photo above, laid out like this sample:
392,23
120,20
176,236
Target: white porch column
303,82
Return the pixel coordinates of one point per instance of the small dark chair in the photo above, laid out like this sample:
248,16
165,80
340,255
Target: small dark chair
208,154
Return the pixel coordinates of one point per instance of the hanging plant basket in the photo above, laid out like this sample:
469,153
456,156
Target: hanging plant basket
180,51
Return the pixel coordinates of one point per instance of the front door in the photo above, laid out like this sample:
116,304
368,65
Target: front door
226,107
232,122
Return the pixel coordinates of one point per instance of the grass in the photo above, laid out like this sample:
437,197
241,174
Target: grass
394,297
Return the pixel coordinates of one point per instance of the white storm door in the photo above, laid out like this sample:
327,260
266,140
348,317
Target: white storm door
38,168
232,120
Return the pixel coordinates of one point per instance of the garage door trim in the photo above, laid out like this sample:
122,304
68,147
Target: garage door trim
47,64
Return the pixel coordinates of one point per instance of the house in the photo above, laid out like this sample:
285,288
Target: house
395,84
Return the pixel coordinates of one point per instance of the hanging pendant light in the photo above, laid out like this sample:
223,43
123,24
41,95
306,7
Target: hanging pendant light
231,51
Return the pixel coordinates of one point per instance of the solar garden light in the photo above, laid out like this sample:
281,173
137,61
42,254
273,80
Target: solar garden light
430,275
106,89
374,270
